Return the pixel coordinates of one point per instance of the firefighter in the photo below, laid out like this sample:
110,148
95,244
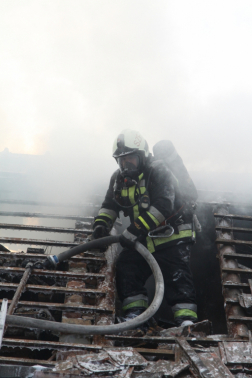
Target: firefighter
147,191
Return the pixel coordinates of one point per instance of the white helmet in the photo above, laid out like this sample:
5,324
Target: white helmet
130,142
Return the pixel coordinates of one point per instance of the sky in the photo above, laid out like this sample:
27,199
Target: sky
74,73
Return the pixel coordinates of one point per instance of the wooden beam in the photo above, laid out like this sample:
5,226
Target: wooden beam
203,369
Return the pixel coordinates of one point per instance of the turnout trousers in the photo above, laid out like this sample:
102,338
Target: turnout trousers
132,271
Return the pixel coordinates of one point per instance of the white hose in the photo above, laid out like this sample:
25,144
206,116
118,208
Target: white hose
24,322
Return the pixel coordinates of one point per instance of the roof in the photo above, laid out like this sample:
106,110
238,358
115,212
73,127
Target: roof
83,292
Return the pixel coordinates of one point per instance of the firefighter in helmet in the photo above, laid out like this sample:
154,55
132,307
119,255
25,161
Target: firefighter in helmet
147,191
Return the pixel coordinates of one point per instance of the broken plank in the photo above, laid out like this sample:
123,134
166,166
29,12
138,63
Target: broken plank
237,256
243,319
42,344
233,285
155,352
51,273
231,241
129,372
168,368
233,216
126,356
25,361
37,256
215,365
89,220
54,289
178,369
22,227
234,229
245,300
236,270
199,367
62,374
53,243
68,307
214,340
238,353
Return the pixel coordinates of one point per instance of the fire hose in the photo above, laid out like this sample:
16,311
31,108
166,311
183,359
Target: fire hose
18,321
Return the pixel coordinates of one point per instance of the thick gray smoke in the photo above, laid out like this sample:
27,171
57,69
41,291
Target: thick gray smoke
73,74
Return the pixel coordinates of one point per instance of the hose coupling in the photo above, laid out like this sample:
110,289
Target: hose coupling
51,262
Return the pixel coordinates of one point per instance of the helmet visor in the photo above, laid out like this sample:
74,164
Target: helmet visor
128,162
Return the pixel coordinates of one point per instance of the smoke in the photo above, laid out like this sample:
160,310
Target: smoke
73,74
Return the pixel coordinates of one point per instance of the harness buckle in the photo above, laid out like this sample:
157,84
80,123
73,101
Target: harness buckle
167,230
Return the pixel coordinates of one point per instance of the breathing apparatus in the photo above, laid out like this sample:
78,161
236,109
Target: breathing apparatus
143,200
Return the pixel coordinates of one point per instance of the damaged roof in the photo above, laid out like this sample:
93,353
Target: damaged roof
82,291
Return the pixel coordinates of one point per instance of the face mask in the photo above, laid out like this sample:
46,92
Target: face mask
129,165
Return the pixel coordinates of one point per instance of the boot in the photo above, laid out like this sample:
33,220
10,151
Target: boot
183,321
142,329
186,323
185,314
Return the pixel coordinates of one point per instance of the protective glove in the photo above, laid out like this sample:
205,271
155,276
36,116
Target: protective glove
100,232
129,237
